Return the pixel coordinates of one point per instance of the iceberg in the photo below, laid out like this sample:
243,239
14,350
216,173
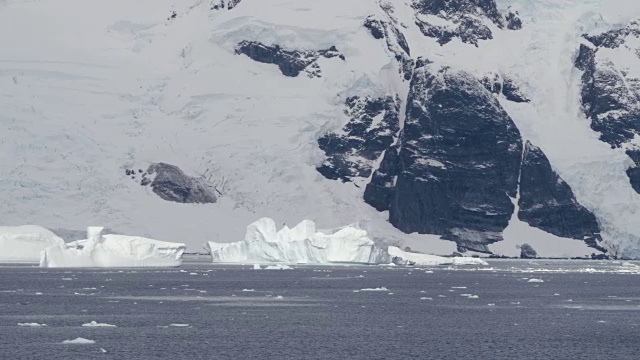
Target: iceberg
303,243
403,258
24,244
113,251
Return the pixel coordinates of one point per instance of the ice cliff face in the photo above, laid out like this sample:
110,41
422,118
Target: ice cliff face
300,244
112,251
449,125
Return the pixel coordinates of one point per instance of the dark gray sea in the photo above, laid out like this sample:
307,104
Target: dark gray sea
572,310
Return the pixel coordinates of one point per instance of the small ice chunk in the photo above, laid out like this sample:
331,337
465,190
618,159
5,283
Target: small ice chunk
79,341
458,287
535,281
31,324
179,325
278,267
426,298
279,297
256,267
375,289
97,324
248,290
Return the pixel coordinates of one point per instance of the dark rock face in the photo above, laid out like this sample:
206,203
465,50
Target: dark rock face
171,184
457,164
614,38
452,8
610,96
467,19
512,19
395,39
380,190
291,63
372,128
527,252
224,4
547,202
505,86
634,172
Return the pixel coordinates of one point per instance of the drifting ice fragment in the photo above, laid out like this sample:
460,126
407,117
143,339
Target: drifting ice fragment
113,251
79,341
97,324
31,324
23,244
535,281
375,289
278,267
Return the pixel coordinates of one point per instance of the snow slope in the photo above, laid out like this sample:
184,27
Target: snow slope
125,85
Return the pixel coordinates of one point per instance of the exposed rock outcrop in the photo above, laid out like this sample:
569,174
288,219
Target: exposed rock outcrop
467,20
224,4
457,163
610,93
527,252
548,203
290,62
171,184
373,126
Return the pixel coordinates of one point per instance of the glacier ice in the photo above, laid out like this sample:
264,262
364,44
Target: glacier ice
404,257
97,324
300,244
79,341
23,244
113,251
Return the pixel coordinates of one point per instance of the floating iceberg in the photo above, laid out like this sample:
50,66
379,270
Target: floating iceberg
403,258
24,244
79,341
113,251
301,244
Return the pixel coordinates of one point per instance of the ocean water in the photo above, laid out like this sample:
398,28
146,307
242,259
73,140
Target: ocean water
580,310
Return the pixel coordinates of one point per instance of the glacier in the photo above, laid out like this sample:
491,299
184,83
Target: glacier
303,243
170,82
24,244
109,251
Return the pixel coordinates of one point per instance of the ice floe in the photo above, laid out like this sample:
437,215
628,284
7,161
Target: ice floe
79,341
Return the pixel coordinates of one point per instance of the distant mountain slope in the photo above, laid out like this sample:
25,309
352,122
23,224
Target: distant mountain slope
444,125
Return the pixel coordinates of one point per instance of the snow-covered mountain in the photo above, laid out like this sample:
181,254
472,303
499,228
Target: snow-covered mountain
443,125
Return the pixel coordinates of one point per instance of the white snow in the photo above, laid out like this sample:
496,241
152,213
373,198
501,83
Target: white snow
300,244
113,251
97,324
23,244
79,341
430,260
